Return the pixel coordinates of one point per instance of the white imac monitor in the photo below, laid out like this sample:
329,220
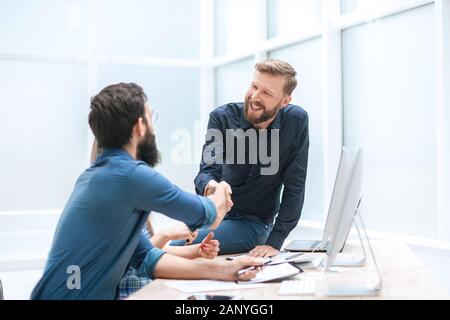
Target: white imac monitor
337,203
338,200
345,206
345,218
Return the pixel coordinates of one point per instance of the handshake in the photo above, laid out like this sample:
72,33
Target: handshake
220,194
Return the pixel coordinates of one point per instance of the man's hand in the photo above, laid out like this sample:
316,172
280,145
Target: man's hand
179,232
229,269
211,187
209,248
263,252
222,200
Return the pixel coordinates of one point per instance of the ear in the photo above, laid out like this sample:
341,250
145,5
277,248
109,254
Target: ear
139,128
286,101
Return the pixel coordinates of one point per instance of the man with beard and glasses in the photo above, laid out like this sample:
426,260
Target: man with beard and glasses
99,232
258,222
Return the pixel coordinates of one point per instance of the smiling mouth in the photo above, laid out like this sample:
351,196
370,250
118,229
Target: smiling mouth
255,108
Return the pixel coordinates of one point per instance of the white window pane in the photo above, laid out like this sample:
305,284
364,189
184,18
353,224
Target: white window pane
43,133
175,94
236,25
169,29
43,26
389,98
233,81
306,58
288,18
349,6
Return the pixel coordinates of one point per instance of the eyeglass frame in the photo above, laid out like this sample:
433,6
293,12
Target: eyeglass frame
153,116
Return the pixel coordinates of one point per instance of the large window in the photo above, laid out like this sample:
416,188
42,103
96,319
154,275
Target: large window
152,28
54,55
390,110
43,133
371,73
236,25
44,26
293,18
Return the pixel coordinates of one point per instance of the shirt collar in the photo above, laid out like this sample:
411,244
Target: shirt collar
111,152
276,123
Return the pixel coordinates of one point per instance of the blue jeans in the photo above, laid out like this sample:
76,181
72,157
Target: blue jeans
236,235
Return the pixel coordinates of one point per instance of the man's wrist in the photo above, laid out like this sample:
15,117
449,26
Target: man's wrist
165,237
158,240
210,268
207,186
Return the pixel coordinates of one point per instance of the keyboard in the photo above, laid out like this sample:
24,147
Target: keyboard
304,286
287,255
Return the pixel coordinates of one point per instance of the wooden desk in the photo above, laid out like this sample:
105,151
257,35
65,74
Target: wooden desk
404,277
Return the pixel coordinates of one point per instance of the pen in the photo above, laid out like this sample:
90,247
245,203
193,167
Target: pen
241,272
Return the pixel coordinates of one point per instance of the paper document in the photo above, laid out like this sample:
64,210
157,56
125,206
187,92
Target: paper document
275,272
194,286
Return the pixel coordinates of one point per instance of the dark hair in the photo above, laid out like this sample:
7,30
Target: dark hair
114,112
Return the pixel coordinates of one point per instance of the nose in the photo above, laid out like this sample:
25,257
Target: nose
255,96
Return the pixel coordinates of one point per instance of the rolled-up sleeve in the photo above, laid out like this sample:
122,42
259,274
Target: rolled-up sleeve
148,265
145,257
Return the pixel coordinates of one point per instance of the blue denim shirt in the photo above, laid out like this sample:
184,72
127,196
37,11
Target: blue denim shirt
256,195
100,227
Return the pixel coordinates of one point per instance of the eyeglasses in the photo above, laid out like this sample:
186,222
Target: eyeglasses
153,116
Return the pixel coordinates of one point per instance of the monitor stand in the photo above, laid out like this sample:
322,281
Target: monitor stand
345,261
348,290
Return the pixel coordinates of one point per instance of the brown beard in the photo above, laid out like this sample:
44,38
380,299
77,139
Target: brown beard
267,115
147,150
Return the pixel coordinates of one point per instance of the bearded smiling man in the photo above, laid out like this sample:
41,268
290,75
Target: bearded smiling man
100,228
258,222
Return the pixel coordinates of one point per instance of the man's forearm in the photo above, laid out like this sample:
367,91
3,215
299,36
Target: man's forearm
159,240
187,252
280,232
276,239
172,267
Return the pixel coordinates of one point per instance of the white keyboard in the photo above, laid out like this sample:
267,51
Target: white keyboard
287,255
304,286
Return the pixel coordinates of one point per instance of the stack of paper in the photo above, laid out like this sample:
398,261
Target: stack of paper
275,272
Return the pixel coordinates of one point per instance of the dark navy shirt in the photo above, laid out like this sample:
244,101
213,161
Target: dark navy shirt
256,195
100,227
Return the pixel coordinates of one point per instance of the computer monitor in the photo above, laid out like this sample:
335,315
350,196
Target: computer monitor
345,219
346,205
338,199
337,203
